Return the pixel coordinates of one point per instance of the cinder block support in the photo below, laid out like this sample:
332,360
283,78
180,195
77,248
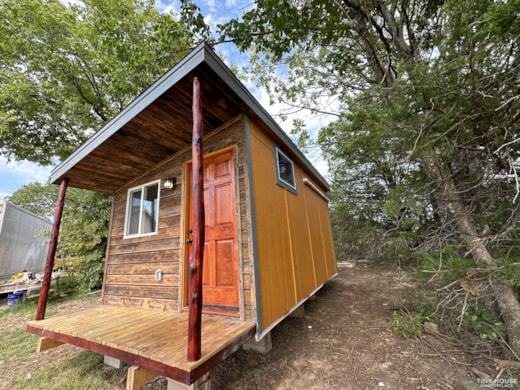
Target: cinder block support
112,362
203,383
262,346
299,312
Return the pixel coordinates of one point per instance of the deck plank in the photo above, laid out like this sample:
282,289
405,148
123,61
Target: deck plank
158,337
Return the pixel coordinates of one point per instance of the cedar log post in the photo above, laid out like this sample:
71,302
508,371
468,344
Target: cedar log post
198,219
51,253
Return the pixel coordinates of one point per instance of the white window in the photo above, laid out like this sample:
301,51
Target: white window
142,210
284,170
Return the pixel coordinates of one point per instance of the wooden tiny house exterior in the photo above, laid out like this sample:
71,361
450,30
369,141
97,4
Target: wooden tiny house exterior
268,243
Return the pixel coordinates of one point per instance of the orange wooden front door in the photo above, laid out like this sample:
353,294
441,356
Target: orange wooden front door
220,264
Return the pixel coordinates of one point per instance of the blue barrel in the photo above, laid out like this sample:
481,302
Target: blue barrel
11,299
19,296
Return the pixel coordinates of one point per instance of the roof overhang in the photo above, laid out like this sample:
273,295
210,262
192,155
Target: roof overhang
158,123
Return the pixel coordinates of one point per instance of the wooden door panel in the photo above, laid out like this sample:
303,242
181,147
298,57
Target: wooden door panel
224,211
220,263
223,251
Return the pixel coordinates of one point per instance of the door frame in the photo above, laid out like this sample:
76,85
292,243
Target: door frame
184,235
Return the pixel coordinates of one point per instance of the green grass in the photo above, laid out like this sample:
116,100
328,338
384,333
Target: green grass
27,307
79,372
15,346
18,366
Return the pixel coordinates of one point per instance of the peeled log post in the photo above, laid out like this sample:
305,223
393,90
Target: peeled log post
197,250
51,253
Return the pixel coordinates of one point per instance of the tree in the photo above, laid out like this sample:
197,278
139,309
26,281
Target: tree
429,107
84,228
66,70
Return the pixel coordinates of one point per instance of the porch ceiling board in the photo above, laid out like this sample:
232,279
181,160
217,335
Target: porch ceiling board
152,339
158,123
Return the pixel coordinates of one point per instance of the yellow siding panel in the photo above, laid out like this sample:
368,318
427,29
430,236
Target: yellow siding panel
328,244
320,236
294,244
315,237
272,233
304,275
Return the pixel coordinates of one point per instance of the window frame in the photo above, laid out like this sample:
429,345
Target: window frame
128,209
279,179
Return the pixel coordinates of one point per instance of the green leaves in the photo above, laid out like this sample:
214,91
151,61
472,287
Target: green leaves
84,227
67,70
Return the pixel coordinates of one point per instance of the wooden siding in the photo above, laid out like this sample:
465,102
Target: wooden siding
294,244
131,262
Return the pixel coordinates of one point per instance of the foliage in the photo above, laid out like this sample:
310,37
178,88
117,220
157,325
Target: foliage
425,140
416,82
483,322
409,323
511,272
405,324
66,70
84,228
444,266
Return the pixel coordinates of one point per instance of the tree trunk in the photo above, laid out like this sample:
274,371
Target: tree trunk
504,295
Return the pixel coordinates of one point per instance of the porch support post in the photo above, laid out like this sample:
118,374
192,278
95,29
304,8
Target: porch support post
51,253
197,252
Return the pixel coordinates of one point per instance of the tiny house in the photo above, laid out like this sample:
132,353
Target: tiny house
266,236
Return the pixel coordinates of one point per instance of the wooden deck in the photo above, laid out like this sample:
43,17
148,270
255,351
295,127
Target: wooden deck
151,339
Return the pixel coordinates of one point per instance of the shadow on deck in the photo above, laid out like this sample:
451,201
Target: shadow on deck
150,339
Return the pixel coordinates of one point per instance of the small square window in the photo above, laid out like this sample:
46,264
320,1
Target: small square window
284,170
142,210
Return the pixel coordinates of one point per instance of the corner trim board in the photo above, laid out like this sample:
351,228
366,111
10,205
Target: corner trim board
253,223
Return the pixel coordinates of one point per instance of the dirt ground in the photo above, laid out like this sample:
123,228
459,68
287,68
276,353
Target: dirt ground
343,342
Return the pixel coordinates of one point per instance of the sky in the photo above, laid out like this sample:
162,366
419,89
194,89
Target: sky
15,174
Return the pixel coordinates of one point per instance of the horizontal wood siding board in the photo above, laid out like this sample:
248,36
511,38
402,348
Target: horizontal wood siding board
141,245
134,260
170,257
147,303
159,292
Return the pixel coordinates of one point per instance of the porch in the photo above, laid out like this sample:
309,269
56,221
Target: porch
148,339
